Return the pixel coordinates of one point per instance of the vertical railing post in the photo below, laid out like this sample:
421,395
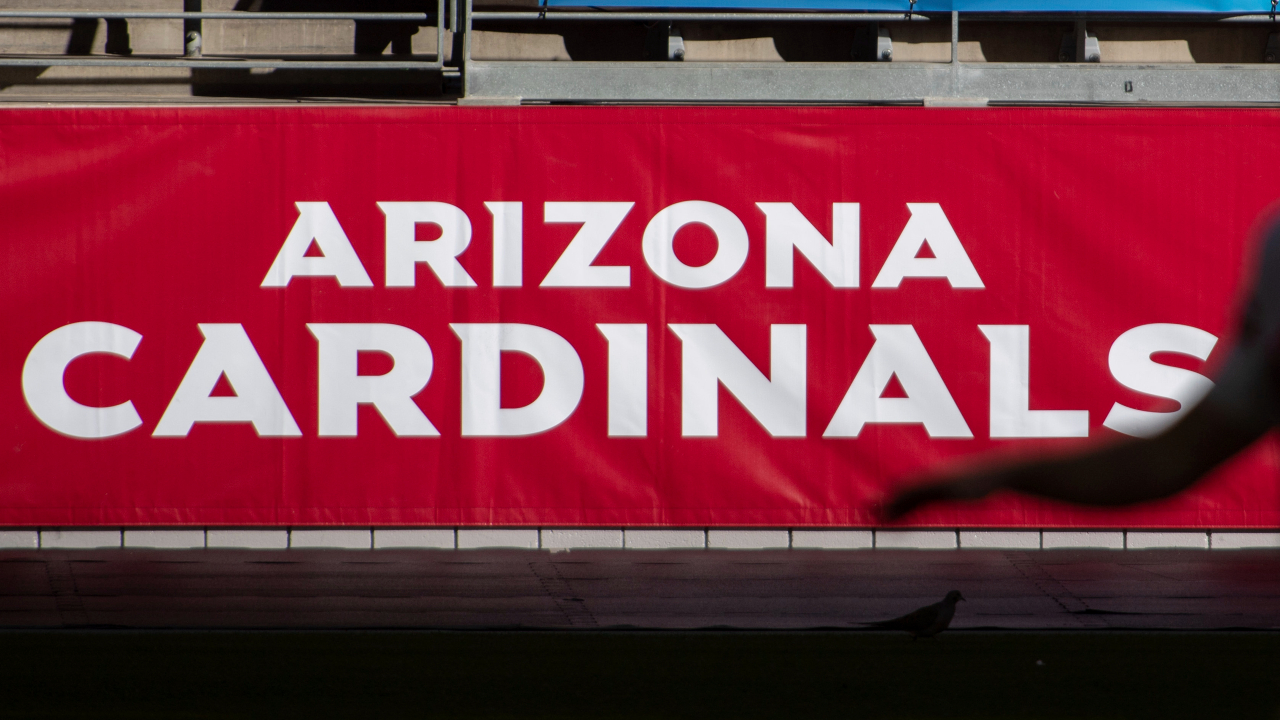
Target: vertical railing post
1082,42
955,54
441,20
466,47
192,30
955,36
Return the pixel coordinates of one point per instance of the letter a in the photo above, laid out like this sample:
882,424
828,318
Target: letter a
950,261
898,351
228,351
317,222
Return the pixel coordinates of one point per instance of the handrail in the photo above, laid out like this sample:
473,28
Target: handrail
1153,17
228,15
741,16
194,60
219,64
700,16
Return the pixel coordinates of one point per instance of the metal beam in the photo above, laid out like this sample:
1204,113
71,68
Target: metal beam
234,15
208,63
697,16
734,16
193,57
761,82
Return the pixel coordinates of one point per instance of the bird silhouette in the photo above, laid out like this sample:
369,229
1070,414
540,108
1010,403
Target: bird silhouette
925,622
1242,406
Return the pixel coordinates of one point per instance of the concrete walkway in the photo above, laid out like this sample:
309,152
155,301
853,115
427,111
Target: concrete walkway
664,589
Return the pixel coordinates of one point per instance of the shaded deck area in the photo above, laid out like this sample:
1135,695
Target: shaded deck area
664,590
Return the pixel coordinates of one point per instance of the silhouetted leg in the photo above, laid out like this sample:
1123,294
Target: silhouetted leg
1242,406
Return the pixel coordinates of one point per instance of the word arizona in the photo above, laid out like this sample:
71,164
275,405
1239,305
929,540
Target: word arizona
787,231
709,360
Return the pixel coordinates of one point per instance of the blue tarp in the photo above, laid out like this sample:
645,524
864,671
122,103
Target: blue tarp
927,6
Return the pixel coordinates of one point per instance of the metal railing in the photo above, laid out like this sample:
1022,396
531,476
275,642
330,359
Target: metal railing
195,59
641,81
552,14
1077,19
1076,78
611,16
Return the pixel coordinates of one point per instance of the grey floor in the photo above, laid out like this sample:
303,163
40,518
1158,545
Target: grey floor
683,589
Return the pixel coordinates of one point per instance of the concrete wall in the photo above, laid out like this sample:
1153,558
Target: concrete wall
544,40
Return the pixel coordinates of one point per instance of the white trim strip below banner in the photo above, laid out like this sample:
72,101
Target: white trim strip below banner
564,539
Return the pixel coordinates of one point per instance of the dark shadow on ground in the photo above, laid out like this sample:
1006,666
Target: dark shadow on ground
590,674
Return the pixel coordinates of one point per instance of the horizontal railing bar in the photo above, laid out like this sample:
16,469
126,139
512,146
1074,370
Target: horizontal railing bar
241,15
223,64
1114,17
863,16
701,16
630,16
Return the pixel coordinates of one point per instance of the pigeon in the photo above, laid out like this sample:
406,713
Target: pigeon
925,622
1242,406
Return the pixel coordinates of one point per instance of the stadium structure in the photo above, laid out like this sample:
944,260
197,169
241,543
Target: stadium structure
111,144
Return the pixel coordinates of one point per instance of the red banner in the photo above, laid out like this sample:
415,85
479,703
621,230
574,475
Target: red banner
608,316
